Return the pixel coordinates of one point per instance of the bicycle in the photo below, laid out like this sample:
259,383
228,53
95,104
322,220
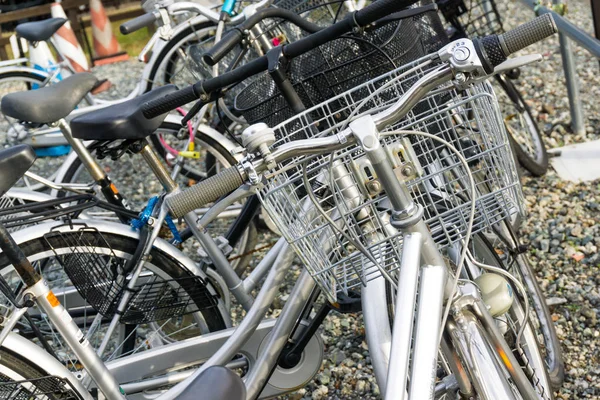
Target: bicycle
230,179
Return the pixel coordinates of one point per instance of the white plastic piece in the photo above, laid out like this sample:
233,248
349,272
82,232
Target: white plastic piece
257,135
496,293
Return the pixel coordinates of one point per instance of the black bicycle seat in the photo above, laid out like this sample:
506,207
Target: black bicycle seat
14,162
121,121
49,104
216,383
39,31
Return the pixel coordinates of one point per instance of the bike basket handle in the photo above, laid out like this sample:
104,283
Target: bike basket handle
138,23
223,47
204,192
494,49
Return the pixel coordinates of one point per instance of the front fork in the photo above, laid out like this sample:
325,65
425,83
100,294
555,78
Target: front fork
420,259
419,328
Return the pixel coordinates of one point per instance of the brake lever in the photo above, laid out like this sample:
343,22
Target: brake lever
517,62
192,113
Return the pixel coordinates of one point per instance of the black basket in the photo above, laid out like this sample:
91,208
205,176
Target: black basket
16,213
342,64
48,387
101,279
471,18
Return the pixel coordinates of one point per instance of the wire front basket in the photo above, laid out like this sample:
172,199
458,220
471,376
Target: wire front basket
347,190
101,278
47,387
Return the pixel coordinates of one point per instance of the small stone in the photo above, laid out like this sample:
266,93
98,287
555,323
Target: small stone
337,357
320,393
360,387
555,301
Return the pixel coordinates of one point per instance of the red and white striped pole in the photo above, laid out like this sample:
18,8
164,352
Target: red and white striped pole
106,47
67,43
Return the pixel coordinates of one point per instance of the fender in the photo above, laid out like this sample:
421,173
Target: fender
37,356
20,68
232,147
172,252
28,195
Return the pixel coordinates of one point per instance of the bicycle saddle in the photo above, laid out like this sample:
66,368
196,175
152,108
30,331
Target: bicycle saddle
121,121
14,162
39,31
216,383
49,104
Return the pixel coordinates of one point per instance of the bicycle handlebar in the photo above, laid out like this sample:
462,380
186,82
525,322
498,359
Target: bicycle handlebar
364,17
237,34
226,181
139,22
493,50
212,188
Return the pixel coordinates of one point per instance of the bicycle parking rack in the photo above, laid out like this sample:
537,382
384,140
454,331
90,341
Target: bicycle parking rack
567,31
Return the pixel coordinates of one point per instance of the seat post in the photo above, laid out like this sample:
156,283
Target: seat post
159,170
87,159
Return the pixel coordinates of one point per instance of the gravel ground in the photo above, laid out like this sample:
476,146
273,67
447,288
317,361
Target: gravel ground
562,228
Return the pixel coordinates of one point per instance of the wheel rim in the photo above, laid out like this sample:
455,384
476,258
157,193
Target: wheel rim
520,125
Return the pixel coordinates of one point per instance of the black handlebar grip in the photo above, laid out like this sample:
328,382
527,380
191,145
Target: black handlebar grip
379,9
527,34
222,47
138,23
157,107
494,49
204,192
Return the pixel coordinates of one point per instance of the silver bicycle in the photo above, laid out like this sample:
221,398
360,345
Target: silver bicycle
383,199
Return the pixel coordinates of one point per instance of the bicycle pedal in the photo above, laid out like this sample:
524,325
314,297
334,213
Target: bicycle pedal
350,303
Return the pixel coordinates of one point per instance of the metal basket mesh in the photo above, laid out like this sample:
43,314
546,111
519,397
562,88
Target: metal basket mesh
342,64
100,277
472,18
47,387
346,187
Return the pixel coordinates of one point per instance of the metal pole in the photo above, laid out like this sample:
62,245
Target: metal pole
566,51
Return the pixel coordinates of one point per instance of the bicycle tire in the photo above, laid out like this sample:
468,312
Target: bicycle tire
485,252
529,146
16,365
219,155
41,248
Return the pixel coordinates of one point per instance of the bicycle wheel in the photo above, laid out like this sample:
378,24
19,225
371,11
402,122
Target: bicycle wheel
533,354
80,261
13,132
126,171
532,357
540,316
521,127
20,378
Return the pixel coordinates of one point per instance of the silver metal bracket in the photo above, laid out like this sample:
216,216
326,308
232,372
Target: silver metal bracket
247,168
462,57
366,133
408,218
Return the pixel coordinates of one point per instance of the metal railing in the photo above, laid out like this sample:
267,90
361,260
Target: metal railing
567,32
